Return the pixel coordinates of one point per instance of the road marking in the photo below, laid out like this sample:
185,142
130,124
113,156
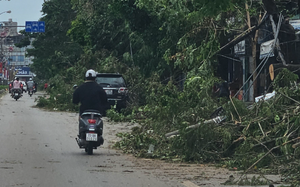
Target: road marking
189,184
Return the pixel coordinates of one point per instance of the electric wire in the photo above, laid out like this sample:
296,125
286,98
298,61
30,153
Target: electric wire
264,61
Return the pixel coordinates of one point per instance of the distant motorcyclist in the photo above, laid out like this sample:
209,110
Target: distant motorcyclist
16,86
30,85
90,94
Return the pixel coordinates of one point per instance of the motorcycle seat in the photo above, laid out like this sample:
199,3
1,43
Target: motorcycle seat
94,111
89,112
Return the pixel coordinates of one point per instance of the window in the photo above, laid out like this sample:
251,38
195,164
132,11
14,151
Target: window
21,58
110,81
13,58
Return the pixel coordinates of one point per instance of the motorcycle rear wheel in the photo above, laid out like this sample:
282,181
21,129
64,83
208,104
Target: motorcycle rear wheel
89,149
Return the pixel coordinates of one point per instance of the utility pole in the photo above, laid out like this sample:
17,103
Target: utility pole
252,61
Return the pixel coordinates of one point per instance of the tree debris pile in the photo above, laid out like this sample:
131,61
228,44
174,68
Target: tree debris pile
264,137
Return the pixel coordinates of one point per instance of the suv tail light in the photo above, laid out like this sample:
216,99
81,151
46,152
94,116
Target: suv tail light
123,90
92,121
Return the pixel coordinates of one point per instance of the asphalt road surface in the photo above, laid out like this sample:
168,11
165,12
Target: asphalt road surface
38,148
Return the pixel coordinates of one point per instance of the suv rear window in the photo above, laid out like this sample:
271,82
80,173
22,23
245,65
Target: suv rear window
112,80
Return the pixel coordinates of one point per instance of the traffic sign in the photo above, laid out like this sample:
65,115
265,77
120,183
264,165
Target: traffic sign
34,26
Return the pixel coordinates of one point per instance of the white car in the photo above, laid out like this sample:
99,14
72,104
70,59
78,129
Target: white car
24,86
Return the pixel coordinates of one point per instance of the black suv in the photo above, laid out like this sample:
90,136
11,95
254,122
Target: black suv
115,87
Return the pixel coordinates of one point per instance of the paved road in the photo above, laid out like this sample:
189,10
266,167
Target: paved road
38,148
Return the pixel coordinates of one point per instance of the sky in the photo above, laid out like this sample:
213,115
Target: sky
21,11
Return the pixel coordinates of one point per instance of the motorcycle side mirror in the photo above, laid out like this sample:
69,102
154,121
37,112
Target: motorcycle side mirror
75,86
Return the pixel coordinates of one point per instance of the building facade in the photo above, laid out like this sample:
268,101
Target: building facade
12,58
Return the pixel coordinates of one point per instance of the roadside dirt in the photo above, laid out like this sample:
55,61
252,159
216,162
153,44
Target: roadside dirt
190,175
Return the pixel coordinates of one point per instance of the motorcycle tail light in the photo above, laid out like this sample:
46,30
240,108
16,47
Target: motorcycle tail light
123,90
92,121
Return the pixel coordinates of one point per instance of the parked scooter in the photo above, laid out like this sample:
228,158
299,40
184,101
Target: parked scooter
90,131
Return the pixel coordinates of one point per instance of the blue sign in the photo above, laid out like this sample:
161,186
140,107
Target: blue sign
35,26
23,71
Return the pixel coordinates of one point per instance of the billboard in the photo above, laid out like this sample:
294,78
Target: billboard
23,71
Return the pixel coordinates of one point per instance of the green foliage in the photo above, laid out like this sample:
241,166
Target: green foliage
2,87
42,102
53,51
138,143
117,117
284,79
60,96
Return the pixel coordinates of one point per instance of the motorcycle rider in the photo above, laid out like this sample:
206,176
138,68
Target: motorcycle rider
90,95
16,87
30,85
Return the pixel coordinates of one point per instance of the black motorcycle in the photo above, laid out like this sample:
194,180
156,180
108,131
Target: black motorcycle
90,131
16,94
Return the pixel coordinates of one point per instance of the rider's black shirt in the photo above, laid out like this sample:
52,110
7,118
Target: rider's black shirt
91,96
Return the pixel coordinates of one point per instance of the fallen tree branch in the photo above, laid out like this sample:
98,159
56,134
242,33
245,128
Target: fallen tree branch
216,120
236,110
260,143
267,154
296,145
261,129
289,98
275,32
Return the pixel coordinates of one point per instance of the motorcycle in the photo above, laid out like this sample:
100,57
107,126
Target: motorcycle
16,94
30,91
90,131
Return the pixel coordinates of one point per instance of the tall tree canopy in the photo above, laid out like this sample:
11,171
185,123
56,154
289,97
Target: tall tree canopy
53,51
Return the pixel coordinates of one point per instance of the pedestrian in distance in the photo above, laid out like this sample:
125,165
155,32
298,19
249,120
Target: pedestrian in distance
45,86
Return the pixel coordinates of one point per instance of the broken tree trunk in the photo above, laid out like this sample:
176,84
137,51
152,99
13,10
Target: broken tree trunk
295,68
243,35
216,120
275,32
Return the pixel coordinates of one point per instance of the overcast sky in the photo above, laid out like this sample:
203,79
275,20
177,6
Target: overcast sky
21,11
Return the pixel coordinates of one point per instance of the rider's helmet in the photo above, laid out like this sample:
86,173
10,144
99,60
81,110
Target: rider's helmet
17,78
90,74
30,79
